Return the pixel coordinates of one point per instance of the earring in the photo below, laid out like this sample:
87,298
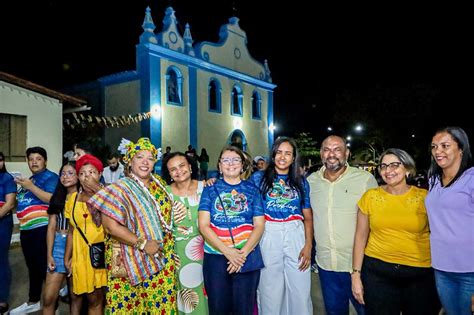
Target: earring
172,179
190,171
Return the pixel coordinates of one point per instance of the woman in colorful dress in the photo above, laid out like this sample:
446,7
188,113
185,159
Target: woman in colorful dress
7,203
136,212
86,279
231,221
186,192
56,240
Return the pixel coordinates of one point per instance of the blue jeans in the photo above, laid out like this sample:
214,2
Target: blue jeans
6,228
455,290
337,291
228,293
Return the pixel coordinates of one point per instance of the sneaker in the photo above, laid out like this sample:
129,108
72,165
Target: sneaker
26,308
63,292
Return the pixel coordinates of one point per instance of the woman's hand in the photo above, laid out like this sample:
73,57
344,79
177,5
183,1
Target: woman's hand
90,185
68,265
180,211
154,248
51,264
24,182
305,257
357,288
236,259
210,182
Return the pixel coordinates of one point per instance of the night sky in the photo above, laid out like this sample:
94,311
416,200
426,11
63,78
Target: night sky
399,70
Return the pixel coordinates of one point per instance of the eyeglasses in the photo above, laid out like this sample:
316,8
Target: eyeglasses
391,166
68,174
230,161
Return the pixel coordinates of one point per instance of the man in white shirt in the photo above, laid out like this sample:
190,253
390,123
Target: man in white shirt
114,171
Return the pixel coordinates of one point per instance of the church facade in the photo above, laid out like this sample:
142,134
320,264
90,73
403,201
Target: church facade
206,95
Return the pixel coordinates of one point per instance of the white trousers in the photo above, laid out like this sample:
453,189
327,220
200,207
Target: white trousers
283,288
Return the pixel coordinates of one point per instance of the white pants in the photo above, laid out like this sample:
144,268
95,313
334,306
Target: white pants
283,288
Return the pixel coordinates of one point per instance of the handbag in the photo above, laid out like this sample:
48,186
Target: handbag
254,260
117,266
96,250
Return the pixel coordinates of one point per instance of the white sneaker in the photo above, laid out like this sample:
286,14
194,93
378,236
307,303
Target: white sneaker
63,292
26,308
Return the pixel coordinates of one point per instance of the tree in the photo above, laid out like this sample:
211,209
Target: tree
307,146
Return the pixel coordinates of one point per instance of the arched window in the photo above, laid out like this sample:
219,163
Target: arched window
174,86
236,101
214,96
256,105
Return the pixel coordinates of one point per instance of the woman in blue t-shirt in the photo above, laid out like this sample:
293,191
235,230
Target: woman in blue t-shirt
231,221
7,202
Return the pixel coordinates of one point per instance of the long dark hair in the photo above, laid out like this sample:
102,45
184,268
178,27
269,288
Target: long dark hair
166,173
460,137
4,168
58,200
295,179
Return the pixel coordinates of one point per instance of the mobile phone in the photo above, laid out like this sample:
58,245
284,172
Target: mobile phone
16,174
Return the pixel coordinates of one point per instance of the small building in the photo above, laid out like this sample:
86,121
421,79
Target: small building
206,95
31,115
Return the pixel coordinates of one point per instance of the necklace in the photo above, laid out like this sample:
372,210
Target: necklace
166,226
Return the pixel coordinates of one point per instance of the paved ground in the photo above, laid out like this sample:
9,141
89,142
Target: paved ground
19,289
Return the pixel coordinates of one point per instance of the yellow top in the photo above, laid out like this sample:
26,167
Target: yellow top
85,278
334,207
399,231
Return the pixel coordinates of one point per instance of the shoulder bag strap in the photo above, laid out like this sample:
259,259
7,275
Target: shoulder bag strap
225,214
77,226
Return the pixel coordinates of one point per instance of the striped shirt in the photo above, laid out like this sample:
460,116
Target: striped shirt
126,203
31,211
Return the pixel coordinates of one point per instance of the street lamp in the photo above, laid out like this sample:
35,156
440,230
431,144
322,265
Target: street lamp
358,128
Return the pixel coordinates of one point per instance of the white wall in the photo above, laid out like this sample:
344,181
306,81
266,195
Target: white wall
44,123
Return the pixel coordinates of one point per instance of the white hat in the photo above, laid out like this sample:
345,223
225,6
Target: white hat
258,158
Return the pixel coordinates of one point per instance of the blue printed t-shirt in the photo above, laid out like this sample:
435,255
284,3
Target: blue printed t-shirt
242,202
282,203
7,186
31,211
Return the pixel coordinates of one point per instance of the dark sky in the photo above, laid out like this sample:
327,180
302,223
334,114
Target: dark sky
399,69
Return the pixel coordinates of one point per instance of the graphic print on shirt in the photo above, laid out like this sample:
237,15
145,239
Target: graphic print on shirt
282,203
236,205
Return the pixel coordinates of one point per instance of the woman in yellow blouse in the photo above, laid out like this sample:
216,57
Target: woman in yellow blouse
86,280
394,275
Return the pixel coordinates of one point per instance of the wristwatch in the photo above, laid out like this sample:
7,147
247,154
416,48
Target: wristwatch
355,271
140,244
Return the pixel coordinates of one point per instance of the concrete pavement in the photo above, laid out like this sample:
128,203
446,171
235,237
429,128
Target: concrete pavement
19,288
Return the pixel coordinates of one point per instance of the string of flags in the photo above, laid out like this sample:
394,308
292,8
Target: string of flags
79,120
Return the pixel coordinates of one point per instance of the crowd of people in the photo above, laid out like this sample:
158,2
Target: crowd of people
127,240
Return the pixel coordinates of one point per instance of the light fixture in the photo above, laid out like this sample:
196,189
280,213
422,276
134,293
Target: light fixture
237,123
272,127
156,111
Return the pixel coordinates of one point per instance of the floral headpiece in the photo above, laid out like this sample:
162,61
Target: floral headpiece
129,149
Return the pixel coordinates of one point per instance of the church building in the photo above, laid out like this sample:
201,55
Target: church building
207,95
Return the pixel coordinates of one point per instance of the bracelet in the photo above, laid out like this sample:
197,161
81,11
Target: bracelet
140,244
355,271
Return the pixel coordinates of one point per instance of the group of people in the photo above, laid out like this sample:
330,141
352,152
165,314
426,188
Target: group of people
242,244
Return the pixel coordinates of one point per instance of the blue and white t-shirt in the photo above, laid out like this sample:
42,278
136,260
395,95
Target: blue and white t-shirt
282,203
242,202
7,186
31,211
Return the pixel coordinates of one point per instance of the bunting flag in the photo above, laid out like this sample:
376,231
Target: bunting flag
87,121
